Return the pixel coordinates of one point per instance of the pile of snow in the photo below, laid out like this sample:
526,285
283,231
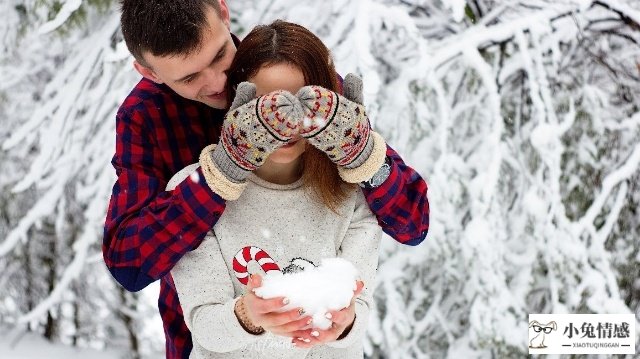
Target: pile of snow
317,290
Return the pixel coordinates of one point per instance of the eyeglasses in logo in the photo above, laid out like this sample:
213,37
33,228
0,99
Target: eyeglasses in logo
537,341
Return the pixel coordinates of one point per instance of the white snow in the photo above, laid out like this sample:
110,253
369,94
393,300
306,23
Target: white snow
525,126
317,290
32,346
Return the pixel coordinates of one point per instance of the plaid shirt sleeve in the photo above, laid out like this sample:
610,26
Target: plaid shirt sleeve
147,230
400,203
178,337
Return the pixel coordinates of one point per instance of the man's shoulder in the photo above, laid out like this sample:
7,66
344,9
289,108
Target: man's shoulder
147,91
149,101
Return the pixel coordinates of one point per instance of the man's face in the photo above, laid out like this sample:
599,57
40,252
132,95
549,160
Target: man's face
201,75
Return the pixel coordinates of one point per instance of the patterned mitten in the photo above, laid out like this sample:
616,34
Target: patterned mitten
252,129
338,126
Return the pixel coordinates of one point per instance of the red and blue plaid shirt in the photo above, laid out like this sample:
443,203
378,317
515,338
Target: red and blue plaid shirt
148,229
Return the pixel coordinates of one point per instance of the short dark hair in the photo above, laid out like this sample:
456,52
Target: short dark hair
164,27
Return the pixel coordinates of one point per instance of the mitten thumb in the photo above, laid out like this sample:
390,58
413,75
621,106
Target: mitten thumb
245,92
280,112
290,107
352,88
319,106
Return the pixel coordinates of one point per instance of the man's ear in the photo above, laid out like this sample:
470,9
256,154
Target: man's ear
224,14
146,72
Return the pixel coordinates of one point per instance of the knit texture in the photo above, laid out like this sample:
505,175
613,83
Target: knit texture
207,278
335,125
216,180
338,125
252,130
370,166
352,88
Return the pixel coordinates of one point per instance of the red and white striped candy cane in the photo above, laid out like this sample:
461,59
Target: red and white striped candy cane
248,254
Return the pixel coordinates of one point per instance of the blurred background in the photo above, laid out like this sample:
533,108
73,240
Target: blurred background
522,116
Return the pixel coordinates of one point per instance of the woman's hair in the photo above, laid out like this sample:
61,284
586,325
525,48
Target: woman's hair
284,42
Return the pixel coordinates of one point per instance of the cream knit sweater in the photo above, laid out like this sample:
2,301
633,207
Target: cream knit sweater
292,229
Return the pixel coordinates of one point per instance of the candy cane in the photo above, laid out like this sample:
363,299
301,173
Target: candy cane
248,254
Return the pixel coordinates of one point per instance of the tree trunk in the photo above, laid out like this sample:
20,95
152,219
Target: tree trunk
129,323
49,261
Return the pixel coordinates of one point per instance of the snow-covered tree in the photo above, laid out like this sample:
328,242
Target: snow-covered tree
523,117
63,75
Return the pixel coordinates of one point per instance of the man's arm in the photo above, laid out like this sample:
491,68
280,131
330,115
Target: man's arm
400,203
148,230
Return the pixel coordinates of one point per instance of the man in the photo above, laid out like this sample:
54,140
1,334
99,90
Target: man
182,49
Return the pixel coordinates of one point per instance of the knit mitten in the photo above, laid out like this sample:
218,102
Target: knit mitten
252,129
338,126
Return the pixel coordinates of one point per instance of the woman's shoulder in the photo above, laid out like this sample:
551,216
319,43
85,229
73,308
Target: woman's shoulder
181,176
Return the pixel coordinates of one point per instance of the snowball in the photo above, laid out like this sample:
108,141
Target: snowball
317,290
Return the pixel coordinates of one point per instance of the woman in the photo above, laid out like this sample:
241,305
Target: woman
293,210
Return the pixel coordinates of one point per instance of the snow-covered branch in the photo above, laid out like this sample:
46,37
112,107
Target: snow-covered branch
522,115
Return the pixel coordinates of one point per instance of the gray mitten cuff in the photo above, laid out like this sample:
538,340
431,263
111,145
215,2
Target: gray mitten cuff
217,181
364,155
227,166
370,166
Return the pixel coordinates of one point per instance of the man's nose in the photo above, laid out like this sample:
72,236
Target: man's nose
215,80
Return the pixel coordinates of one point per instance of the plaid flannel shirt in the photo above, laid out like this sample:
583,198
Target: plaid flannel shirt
148,230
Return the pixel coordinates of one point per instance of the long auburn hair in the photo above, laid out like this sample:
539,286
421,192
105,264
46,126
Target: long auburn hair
285,42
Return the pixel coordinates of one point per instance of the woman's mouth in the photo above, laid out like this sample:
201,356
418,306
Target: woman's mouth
290,144
218,96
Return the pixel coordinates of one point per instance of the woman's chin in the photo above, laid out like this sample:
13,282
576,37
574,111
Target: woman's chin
283,159
288,153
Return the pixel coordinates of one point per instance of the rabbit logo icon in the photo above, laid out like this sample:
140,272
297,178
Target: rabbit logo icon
540,330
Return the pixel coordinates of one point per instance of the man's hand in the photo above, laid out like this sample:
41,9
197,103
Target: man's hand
265,312
335,125
338,126
252,129
342,321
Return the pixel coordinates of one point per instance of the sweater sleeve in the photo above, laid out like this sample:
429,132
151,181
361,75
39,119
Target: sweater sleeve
205,290
360,247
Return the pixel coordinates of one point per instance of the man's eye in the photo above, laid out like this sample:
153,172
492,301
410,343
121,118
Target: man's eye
188,80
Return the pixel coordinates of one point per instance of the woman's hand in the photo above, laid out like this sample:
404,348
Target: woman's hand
264,312
342,321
